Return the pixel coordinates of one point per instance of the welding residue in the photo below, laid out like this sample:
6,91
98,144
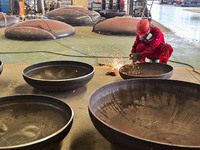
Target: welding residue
131,69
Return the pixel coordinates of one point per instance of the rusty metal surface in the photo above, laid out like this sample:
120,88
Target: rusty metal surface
74,15
39,29
148,114
58,75
146,70
33,121
118,25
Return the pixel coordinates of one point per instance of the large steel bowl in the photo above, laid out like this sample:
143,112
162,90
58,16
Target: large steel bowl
58,75
1,67
148,114
33,122
146,70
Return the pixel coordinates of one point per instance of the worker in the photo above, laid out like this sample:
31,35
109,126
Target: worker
150,44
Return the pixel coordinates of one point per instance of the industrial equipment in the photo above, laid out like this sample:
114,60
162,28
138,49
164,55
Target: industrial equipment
140,8
112,8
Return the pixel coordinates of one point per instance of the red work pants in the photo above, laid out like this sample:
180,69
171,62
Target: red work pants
162,52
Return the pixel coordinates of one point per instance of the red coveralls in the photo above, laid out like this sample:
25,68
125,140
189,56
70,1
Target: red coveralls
155,47
122,1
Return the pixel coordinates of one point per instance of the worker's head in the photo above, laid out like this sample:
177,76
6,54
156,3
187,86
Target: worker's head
143,27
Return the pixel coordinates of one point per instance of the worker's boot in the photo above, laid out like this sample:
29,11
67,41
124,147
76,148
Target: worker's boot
154,60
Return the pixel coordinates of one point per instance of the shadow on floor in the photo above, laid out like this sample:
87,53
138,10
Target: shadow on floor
27,89
85,140
53,147
90,140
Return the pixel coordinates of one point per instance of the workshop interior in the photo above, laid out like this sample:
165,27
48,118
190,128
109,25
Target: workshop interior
99,74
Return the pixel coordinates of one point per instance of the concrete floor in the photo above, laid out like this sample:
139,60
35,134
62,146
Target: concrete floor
83,135
86,43
183,21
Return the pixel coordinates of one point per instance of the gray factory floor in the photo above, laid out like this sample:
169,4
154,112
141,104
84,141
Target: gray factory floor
83,135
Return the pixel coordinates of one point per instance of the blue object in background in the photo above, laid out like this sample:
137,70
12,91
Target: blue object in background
5,6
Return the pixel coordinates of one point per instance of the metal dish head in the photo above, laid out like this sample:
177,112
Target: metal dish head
146,70
58,75
33,121
141,114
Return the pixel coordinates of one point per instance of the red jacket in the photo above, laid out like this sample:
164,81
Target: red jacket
156,41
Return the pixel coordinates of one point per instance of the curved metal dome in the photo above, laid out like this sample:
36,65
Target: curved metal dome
74,15
39,29
117,25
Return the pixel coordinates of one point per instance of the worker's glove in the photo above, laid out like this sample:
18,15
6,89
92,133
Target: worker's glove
135,56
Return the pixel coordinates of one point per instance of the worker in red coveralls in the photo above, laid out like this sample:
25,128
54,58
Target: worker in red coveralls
150,43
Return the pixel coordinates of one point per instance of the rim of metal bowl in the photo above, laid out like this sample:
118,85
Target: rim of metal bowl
1,63
70,79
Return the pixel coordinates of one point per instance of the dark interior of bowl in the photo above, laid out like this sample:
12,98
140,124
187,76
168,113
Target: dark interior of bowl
31,119
58,72
155,113
146,70
58,75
